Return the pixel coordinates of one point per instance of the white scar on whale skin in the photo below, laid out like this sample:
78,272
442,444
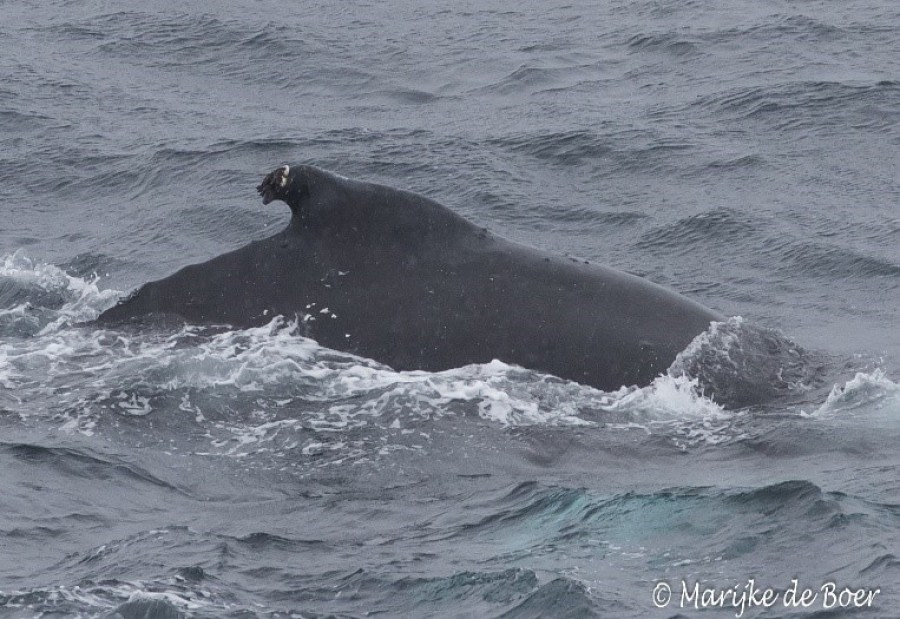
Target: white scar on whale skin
282,182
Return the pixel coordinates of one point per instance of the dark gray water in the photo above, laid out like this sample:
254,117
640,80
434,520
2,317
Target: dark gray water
743,153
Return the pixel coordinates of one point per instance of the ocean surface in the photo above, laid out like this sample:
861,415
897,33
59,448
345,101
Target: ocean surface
745,154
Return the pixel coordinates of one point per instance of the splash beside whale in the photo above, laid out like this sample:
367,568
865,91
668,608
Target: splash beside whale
396,277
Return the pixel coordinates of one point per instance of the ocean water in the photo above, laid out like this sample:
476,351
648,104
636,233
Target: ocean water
742,153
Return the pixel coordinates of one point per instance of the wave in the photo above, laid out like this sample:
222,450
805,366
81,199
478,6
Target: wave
709,228
561,597
528,79
80,464
503,587
776,251
796,28
178,38
12,121
608,535
798,497
613,153
825,260
261,52
563,148
533,519
801,105
235,164
668,43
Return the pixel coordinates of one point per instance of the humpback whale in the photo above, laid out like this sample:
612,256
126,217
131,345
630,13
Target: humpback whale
399,278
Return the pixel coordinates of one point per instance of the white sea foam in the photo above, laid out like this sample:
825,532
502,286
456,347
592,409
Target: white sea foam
667,398
868,391
83,299
673,406
129,373
104,598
